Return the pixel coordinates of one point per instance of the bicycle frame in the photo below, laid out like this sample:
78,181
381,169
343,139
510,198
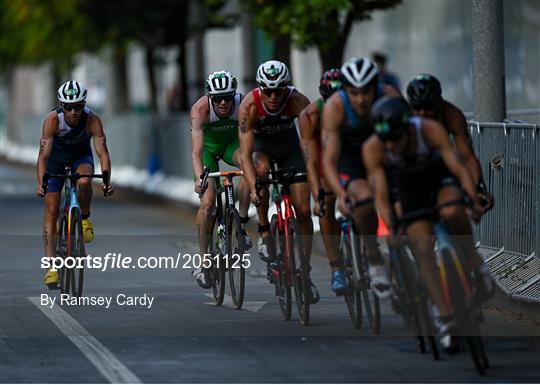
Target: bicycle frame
284,217
70,202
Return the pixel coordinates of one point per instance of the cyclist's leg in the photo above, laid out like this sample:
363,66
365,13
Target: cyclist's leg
420,240
208,199
458,225
365,217
52,206
232,156
289,155
55,165
85,165
358,188
300,197
330,230
457,222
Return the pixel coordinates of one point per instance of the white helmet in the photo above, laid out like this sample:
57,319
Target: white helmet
220,83
273,74
359,73
72,92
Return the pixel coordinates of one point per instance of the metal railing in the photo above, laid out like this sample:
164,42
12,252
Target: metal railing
510,157
509,235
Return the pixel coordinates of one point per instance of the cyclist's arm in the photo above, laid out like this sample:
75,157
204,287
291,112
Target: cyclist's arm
437,138
199,116
100,142
458,127
333,117
373,156
308,122
246,118
50,129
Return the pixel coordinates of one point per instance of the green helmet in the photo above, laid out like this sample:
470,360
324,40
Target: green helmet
220,83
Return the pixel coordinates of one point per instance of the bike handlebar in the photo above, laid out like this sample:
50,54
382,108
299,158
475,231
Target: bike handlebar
217,174
284,176
105,176
429,212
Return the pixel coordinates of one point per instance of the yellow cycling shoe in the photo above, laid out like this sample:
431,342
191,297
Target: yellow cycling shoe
88,230
51,279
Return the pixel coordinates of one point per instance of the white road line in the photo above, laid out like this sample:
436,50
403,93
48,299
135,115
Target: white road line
253,306
101,357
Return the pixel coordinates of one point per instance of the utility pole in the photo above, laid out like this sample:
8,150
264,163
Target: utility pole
249,62
488,60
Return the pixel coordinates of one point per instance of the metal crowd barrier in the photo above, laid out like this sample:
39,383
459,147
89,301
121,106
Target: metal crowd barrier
509,235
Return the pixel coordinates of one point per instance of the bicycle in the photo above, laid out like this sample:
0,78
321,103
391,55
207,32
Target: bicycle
291,266
69,239
356,269
458,286
409,296
226,243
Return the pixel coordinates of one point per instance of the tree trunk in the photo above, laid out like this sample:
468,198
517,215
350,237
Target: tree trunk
332,57
182,64
282,49
120,80
151,78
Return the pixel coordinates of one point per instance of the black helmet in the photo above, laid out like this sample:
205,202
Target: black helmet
424,91
390,116
330,82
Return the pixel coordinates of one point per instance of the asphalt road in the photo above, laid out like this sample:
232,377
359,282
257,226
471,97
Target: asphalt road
183,337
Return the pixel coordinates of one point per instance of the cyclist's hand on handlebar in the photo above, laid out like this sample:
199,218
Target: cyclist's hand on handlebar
255,198
485,198
345,205
317,209
474,209
108,190
197,187
40,191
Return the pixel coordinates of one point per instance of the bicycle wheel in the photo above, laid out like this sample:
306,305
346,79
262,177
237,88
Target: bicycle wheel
411,298
371,301
62,252
299,268
353,298
427,322
217,269
466,325
76,250
283,291
235,263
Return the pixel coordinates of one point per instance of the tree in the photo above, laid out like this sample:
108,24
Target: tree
322,24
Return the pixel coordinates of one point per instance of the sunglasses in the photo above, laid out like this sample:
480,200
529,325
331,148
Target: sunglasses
277,91
73,106
219,98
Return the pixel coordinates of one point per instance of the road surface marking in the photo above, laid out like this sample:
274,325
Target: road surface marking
253,306
101,357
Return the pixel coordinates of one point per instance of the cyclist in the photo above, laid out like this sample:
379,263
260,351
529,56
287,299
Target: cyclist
214,136
426,171
310,135
425,97
268,134
345,126
65,142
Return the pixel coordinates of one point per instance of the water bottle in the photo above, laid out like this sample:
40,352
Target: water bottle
220,236
274,194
